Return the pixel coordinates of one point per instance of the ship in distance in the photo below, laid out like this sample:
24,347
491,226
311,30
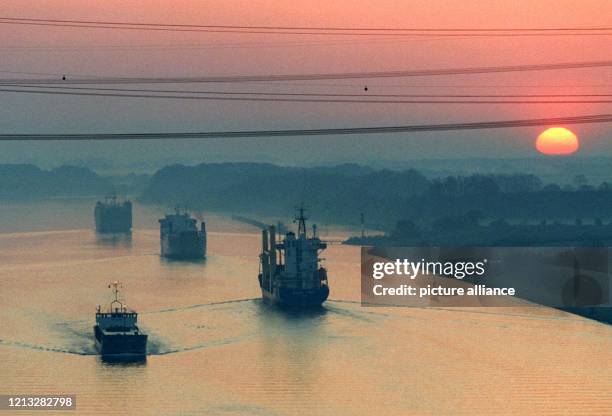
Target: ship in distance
113,216
290,271
117,335
181,238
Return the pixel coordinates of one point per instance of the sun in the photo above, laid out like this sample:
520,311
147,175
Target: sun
557,141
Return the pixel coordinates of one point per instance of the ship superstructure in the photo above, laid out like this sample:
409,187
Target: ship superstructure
291,274
181,238
113,216
116,331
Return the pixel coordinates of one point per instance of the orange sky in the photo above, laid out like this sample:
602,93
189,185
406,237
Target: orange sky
297,55
375,55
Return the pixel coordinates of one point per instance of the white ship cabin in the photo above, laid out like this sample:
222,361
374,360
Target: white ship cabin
177,223
301,260
118,317
112,201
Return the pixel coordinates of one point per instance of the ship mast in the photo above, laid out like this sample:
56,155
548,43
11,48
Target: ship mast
115,286
301,220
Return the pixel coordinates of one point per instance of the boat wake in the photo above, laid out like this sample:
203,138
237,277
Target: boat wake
160,349
48,348
199,305
239,320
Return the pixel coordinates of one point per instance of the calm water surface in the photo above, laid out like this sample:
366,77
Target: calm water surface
215,349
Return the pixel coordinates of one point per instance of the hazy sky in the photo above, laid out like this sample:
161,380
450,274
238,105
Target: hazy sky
98,52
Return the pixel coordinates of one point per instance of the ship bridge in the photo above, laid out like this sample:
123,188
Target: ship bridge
118,317
176,223
301,255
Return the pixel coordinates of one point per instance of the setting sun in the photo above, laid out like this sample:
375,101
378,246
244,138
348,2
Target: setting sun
557,141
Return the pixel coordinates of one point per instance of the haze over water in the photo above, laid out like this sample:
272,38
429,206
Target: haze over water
215,348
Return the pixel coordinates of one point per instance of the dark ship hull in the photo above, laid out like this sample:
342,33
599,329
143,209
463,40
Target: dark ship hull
116,219
121,345
288,297
183,246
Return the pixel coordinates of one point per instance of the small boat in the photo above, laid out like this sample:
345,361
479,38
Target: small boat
116,331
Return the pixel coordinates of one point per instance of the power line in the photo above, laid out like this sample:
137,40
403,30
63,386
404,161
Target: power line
320,28
33,81
175,28
262,32
304,94
303,100
209,46
333,85
384,85
320,76
29,73
595,118
235,45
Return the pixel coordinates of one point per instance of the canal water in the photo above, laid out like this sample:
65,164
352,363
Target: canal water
216,349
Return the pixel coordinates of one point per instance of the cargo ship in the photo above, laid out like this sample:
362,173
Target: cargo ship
117,335
290,271
113,216
181,238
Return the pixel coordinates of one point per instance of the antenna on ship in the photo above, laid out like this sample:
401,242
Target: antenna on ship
115,286
301,219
